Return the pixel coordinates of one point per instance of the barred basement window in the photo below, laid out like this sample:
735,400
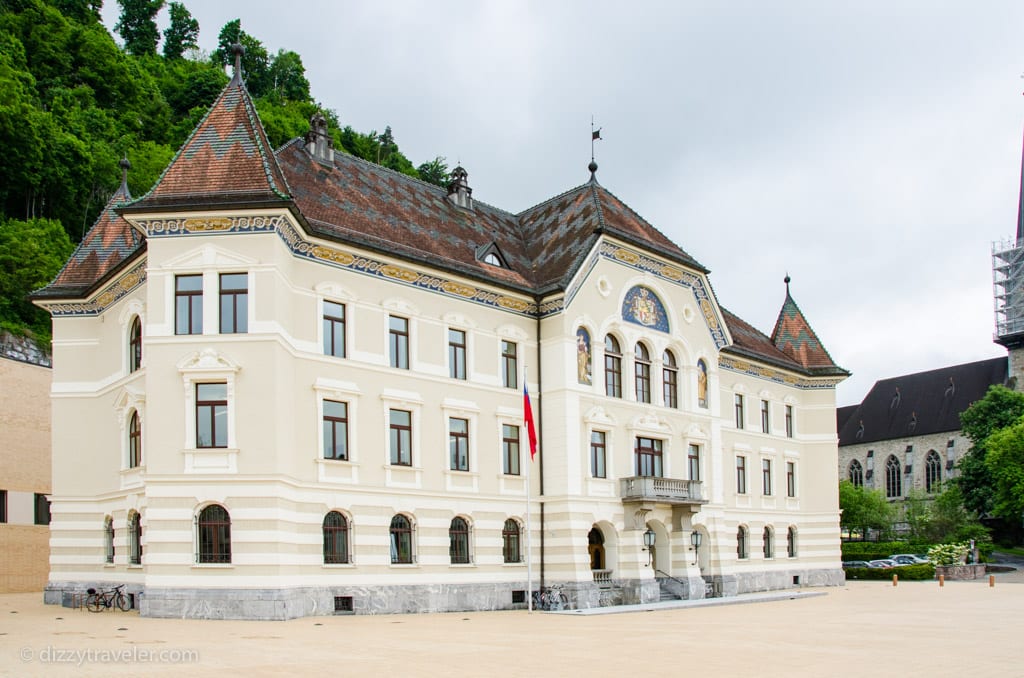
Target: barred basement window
343,604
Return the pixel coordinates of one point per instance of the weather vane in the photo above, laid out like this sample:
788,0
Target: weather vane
595,135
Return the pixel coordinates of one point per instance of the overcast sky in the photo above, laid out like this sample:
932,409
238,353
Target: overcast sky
870,149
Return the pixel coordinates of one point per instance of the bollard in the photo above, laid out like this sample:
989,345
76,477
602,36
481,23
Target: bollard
942,580
991,580
895,578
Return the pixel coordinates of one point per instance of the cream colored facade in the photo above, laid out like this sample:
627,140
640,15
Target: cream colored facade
276,485
25,461
207,485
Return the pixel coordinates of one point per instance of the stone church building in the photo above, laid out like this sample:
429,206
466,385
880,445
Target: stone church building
290,382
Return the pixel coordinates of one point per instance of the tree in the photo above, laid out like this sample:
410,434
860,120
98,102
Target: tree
999,409
434,172
1005,463
137,25
182,34
287,77
864,509
255,61
32,252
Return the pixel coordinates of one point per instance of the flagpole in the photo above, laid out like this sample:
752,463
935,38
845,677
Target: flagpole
529,534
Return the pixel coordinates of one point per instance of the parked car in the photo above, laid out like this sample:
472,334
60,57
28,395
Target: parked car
855,563
907,559
883,563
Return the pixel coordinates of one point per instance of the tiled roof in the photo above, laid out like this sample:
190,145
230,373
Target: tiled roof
353,200
747,340
110,242
920,403
226,160
562,230
793,336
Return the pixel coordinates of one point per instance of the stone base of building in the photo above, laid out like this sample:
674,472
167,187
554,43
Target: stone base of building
960,572
312,601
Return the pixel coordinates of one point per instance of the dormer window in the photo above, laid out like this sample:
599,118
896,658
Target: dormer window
490,254
492,259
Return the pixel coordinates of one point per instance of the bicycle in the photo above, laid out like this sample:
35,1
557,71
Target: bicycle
550,599
100,600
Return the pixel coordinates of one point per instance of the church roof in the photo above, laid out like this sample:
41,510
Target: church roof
794,337
919,404
110,242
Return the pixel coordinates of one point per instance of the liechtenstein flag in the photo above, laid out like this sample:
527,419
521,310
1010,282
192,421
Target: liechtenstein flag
531,430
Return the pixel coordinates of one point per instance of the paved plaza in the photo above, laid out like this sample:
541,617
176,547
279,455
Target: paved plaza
862,629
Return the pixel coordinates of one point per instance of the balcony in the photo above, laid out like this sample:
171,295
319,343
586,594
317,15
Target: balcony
661,490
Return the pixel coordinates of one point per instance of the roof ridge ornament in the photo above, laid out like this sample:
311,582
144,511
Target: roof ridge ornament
595,135
238,50
125,165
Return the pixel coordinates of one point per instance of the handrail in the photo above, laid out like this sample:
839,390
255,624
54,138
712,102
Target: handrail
657,571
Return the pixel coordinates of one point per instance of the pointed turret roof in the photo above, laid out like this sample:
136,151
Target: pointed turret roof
109,243
227,160
794,337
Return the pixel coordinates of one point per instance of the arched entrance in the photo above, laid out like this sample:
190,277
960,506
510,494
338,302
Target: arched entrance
595,547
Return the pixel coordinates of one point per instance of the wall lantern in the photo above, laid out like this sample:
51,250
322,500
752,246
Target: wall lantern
649,539
695,538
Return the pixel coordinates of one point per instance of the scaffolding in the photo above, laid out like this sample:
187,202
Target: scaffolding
1008,288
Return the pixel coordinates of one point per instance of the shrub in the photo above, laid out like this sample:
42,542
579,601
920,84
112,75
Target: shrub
869,550
921,572
948,554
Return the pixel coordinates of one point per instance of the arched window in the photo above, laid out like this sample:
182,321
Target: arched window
108,540
401,540
458,541
612,367
214,531
768,538
670,379
642,370
932,471
741,543
791,542
134,539
135,345
335,539
855,472
134,441
893,480
510,541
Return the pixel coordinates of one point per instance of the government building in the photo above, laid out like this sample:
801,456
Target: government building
290,382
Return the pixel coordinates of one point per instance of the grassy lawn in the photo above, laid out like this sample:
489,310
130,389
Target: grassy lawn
1013,550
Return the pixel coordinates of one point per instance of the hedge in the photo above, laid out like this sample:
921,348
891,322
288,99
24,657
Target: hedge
922,572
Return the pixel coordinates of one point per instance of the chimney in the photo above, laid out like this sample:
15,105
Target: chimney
318,141
459,191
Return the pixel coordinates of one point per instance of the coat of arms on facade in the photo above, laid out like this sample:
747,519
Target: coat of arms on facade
643,307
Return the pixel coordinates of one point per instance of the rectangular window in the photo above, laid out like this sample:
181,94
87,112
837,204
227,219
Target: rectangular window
510,449
456,354
766,477
790,479
3,506
42,509
693,462
739,410
670,386
597,454
334,329
234,303
648,457
188,304
741,475
509,364
766,424
458,443
398,329
211,415
335,430
789,421
401,437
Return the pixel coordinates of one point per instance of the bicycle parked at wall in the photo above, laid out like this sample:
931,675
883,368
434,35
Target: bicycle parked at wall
550,599
101,600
